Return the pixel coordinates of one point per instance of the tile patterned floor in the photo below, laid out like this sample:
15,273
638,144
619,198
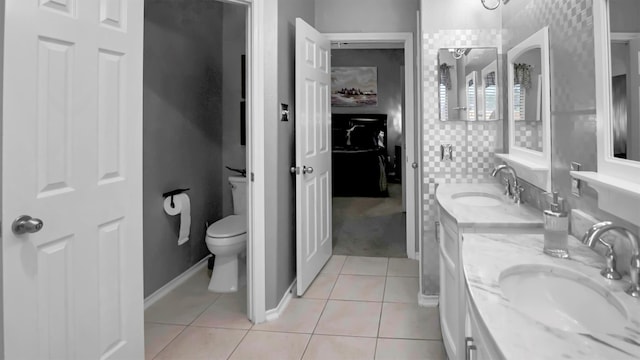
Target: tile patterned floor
357,308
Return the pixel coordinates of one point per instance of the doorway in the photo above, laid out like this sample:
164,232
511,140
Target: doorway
393,207
195,134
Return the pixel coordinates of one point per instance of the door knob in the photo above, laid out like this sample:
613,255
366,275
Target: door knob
295,170
26,224
307,170
414,165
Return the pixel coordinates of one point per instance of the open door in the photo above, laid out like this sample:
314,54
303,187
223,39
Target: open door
72,159
313,154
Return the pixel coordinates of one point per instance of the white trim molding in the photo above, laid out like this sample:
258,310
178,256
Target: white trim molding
410,150
257,74
177,281
528,158
274,314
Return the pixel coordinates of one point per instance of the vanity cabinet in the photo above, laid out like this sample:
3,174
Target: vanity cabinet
454,316
478,342
451,292
459,214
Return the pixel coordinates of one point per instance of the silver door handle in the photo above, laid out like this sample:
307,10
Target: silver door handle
295,170
414,165
307,170
26,224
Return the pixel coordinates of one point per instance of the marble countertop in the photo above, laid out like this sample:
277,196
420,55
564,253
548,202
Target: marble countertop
485,256
505,215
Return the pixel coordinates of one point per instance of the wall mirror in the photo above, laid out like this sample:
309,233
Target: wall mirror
617,50
617,38
529,99
468,84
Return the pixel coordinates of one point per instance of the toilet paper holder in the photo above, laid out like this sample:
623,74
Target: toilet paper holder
172,193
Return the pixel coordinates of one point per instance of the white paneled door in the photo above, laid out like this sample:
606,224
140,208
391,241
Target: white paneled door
313,153
72,157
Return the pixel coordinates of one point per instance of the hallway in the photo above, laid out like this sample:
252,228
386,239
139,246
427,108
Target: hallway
357,308
370,226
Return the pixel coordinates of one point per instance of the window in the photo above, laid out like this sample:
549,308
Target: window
519,96
444,102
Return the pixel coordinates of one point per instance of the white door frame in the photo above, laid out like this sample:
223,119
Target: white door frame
411,125
255,162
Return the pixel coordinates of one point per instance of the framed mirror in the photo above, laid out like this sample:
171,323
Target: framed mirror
617,181
617,50
529,100
468,86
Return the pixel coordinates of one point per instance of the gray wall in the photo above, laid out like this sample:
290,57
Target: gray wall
366,15
234,155
281,224
390,64
182,130
573,98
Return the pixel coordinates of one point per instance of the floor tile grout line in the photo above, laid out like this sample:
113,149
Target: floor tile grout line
381,308
306,347
326,303
238,344
169,343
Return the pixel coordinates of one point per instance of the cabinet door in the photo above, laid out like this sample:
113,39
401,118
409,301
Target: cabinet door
449,294
478,343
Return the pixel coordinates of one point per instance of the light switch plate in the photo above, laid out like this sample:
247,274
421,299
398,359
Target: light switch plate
576,184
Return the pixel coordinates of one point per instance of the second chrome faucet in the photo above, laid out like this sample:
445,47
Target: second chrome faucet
593,236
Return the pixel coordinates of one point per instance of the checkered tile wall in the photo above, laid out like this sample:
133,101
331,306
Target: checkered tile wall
475,143
573,134
528,134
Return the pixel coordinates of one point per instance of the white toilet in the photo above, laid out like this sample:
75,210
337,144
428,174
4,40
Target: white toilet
227,239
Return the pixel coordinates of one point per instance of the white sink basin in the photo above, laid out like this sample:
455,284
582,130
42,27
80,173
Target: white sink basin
562,298
477,199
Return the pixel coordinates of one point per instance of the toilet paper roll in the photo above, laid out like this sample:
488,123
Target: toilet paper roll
182,206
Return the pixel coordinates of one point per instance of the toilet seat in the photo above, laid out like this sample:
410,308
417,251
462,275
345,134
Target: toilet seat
228,227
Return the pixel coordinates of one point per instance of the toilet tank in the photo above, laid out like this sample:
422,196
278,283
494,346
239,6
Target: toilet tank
239,194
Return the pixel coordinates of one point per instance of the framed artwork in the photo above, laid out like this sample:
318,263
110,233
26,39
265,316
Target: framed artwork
354,86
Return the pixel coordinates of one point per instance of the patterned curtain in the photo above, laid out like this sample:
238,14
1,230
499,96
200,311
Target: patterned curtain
445,76
522,75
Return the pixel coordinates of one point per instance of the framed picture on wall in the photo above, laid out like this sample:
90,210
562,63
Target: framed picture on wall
354,86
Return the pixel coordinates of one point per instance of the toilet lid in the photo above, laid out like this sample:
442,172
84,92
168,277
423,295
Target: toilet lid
232,225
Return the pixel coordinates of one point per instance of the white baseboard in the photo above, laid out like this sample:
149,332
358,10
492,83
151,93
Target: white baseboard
273,314
160,293
428,300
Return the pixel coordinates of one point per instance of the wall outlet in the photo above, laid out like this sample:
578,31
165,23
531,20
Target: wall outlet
446,152
576,184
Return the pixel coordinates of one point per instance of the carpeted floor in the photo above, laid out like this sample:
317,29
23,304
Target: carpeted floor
370,226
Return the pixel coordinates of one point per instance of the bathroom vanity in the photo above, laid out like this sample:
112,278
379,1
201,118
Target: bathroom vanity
521,301
466,209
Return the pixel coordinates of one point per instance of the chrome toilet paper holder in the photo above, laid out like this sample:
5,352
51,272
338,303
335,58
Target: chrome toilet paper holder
172,193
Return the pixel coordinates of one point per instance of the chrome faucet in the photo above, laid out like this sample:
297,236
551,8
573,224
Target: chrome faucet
514,190
593,236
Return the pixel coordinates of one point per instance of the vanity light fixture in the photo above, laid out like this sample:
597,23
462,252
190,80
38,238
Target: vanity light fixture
493,4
